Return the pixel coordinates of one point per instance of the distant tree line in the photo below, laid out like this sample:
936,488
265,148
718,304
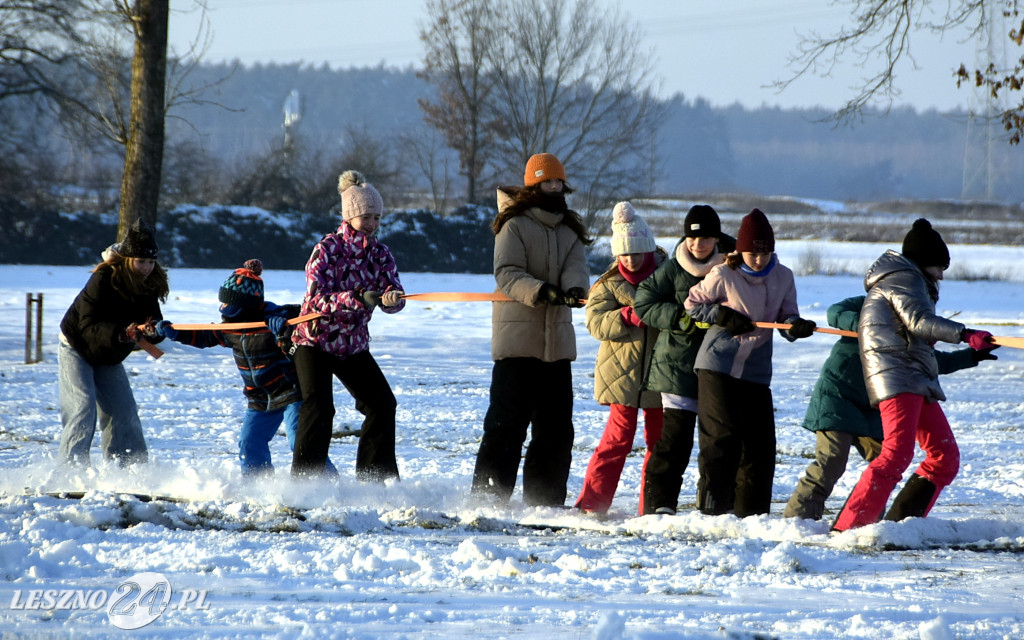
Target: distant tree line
444,135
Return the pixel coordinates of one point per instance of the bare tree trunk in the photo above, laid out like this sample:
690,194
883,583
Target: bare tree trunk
459,41
140,185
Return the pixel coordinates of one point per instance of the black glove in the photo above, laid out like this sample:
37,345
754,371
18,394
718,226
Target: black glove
983,354
551,294
802,328
733,321
371,299
576,297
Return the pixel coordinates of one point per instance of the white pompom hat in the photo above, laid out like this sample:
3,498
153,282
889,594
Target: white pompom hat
630,234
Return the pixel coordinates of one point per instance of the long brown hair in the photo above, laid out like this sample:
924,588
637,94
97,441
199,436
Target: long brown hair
127,281
528,197
734,259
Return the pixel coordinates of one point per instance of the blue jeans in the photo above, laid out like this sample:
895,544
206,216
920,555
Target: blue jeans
100,394
258,429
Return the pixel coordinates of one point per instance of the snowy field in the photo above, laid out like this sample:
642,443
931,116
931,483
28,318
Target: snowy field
417,560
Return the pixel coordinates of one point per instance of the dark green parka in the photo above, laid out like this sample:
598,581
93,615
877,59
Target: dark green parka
659,303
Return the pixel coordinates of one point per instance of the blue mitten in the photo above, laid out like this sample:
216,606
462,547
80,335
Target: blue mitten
164,329
276,324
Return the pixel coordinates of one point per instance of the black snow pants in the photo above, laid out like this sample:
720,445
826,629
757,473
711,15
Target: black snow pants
736,437
316,369
663,475
525,392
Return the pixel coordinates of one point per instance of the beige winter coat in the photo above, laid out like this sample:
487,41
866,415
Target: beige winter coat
532,249
625,352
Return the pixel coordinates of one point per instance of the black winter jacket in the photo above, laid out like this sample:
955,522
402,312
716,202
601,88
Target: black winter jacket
95,322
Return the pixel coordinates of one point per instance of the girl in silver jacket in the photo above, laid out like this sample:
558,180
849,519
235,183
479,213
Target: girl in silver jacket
897,329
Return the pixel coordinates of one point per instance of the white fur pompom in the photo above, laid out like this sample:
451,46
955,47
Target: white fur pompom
348,179
623,212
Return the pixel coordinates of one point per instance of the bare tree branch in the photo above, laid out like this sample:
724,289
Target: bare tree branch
878,40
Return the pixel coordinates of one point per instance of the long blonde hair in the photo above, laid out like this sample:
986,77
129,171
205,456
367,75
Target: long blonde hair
127,281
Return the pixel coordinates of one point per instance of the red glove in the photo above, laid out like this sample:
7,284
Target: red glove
977,339
630,318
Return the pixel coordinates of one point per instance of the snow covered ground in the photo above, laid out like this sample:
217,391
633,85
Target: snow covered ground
418,560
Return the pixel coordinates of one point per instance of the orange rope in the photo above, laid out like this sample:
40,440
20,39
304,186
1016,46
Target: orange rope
228,326
149,347
457,296
998,341
783,325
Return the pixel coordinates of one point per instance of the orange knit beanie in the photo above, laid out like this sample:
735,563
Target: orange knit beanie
541,167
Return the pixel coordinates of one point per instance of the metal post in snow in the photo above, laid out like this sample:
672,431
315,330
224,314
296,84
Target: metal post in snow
33,302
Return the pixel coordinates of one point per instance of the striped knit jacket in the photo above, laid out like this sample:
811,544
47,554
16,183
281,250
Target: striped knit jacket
267,373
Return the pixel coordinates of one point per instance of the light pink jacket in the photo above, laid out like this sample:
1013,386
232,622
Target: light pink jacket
769,296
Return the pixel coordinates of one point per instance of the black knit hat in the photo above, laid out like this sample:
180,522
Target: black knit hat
702,222
139,242
924,246
244,287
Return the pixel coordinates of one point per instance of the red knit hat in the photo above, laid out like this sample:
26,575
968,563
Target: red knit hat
756,235
541,167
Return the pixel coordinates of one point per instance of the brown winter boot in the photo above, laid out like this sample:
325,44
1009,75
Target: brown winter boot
914,500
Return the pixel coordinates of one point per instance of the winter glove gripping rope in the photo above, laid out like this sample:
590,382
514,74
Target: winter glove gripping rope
164,329
733,321
983,354
630,318
371,299
276,324
551,294
684,321
576,297
138,330
977,339
802,328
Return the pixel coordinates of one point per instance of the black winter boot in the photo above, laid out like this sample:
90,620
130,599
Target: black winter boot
913,500
709,505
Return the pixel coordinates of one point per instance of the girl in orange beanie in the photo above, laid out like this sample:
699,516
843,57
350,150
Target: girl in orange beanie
540,263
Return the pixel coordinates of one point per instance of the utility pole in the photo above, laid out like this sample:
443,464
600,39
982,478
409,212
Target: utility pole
986,145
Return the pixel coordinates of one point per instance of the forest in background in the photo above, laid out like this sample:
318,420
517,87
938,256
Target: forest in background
233,148
768,151
232,151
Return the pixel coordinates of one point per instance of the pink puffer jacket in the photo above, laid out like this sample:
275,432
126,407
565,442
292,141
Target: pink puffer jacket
342,266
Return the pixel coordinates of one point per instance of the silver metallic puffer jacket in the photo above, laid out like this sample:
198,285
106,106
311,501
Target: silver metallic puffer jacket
897,328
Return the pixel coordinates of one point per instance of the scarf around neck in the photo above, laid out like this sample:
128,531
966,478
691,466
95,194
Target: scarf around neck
763,272
636,277
696,267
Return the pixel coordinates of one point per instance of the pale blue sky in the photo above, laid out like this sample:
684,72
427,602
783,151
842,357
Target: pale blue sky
725,52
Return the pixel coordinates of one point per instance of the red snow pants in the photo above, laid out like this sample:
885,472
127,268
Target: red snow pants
905,418
609,458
